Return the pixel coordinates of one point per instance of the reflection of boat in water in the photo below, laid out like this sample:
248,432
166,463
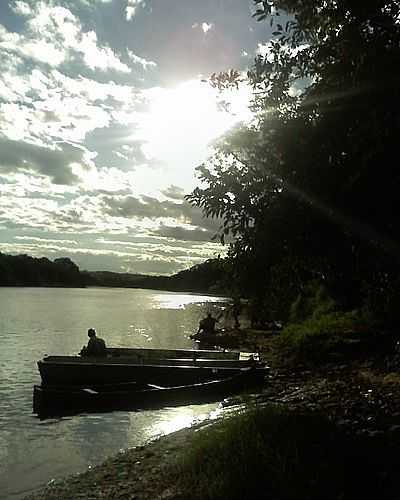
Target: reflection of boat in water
121,366
66,400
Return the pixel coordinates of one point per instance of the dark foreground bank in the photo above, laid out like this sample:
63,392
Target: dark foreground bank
264,453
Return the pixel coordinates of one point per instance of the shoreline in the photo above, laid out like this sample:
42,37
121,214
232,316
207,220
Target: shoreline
134,473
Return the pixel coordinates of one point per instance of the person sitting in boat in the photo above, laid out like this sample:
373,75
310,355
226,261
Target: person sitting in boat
96,346
207,325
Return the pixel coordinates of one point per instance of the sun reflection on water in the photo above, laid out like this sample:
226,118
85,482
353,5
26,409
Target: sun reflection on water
171,419
175,301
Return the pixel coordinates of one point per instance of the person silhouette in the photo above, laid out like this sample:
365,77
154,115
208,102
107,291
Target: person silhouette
96,346
207,325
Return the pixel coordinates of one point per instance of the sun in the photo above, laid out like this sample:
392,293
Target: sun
182,122
189,111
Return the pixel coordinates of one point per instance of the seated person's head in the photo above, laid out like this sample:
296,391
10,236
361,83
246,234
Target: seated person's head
91,332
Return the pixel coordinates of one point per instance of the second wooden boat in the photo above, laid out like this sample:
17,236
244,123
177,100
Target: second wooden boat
76,370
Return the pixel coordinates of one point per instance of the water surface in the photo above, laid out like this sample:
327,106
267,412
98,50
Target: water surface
39,321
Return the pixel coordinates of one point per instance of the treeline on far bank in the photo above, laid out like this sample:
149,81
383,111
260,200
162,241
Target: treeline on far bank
24,270
209,276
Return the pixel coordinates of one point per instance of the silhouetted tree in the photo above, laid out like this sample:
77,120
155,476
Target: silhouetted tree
309,190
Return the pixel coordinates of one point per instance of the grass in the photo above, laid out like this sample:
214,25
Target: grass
270,453
314,339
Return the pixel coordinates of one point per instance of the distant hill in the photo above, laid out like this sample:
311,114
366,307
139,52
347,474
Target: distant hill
210,276
23,270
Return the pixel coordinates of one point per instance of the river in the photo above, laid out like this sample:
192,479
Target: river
39,321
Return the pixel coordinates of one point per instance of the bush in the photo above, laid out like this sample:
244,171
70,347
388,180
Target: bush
312,340
314,302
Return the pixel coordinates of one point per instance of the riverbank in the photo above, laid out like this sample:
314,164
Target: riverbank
359,397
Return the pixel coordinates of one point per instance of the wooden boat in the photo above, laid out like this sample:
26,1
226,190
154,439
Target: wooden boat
63,400
217,339
76,370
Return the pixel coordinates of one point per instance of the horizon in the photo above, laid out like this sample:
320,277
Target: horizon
103,270
105,111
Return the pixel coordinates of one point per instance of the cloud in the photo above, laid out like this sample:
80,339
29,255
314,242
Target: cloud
180,233
89,2
205,27
131,8
152,208
140,60
58,164
54,35
129,206
44,108
174,192
46,240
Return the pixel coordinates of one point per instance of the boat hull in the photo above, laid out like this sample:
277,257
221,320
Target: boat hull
74,370
56,401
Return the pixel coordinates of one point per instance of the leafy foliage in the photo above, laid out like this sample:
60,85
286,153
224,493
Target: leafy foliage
311,185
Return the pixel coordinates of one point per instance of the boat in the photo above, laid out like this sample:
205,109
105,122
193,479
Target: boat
50,401
215,339
78,370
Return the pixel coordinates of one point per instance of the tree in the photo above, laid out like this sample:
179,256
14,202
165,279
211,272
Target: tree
311,186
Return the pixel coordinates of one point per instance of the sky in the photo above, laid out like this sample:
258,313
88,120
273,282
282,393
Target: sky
105,111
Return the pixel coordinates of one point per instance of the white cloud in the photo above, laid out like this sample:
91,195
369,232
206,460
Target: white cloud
206,27
54,35
43,107
131,8
98,57
266,50
46,240
22,8
37,49
140,60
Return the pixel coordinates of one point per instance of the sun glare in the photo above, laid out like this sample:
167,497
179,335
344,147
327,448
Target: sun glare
189,108
182,122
